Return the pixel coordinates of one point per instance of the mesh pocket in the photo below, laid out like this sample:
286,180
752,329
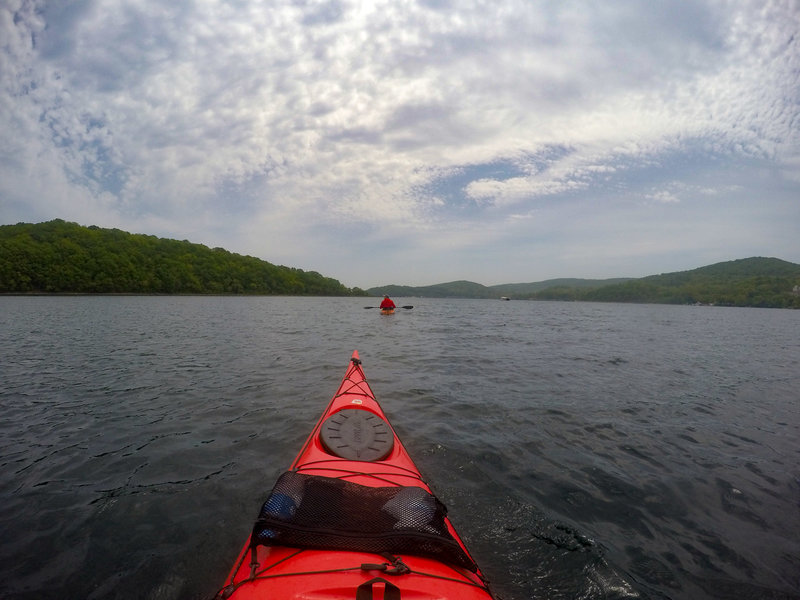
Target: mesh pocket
309,511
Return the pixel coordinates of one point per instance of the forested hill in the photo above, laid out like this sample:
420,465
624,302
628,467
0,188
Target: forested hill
469,289
761,282
62,257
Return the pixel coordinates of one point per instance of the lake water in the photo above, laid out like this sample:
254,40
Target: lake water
583,450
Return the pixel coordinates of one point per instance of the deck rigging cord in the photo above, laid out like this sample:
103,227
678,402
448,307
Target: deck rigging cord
395,567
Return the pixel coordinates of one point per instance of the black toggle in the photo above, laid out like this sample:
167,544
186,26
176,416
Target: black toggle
390,592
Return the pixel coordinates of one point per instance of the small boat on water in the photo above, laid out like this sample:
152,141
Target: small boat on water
353,518
387,311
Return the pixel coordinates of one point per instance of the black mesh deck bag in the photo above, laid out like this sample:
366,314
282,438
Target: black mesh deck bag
309,511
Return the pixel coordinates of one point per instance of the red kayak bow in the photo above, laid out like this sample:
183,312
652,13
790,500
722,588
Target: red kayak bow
353,518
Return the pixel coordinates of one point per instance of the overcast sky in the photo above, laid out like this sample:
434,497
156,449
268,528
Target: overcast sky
412,142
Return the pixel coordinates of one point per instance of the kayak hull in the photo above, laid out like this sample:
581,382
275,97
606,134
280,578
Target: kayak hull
282,572
387,311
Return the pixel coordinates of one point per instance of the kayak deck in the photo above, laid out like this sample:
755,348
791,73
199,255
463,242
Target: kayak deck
350,476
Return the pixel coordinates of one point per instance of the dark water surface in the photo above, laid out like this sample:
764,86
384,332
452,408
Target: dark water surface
584,450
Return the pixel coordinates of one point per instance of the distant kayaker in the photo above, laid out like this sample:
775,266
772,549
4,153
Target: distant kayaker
387,303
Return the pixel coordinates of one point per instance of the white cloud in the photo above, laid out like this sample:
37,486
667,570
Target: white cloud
663,196
216,120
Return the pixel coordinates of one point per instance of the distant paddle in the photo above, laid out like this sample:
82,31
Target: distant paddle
406,307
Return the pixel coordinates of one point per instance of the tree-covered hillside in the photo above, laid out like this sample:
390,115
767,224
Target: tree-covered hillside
62,257
760,282
470,289
453,289
525,290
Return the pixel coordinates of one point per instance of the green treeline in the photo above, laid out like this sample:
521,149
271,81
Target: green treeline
62,257
757,282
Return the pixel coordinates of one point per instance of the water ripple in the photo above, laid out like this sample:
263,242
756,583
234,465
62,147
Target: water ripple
584,450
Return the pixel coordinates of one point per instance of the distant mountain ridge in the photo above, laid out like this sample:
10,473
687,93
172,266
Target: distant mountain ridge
470,289
757,281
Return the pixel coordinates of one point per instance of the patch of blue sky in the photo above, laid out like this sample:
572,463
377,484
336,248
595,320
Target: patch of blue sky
450,189
691,165
101,169
237,196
